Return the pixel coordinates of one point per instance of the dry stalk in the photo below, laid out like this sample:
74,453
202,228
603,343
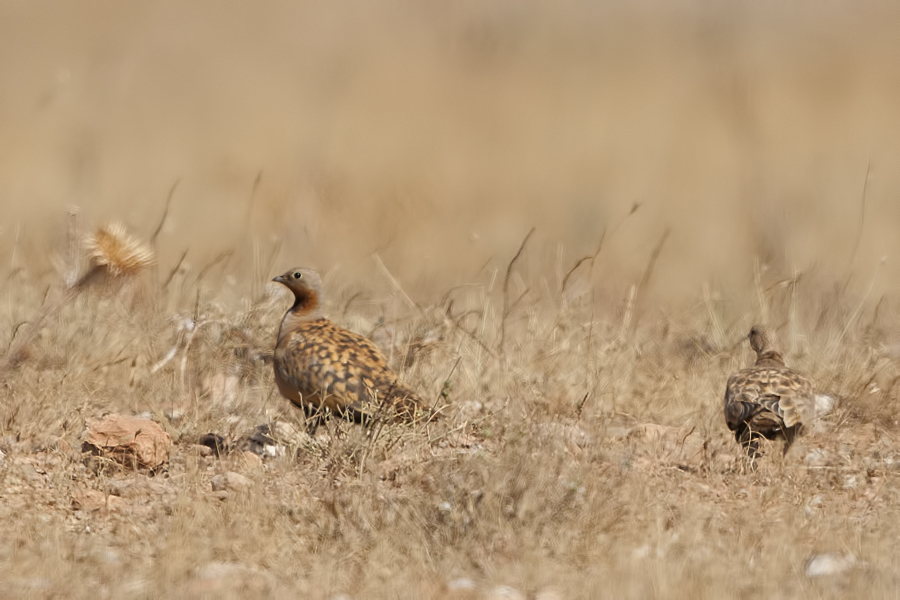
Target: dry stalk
862,222
174,270
591,257
760,293
654,256
165,215
394,282
506,306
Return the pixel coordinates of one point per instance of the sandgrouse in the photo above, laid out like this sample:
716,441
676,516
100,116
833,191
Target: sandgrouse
322,367
768,399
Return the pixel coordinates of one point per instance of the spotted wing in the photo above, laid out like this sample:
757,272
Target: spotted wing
343,371
767,399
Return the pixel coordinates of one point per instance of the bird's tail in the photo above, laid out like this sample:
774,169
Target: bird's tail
405,405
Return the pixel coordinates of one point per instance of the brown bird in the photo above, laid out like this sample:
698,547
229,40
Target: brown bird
767,400
322,367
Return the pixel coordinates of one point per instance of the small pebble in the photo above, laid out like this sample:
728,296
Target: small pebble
504,592
461,584
829,563
230,481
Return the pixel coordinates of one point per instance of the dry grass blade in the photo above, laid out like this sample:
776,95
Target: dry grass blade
593,257
165,214
582,260
394,282
506,304
654,256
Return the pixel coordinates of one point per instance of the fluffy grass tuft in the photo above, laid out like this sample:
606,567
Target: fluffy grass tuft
111,247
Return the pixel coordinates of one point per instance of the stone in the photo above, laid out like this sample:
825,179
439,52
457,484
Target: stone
461,584
130,441
824,404
829,563
505,592
95,500
230,481
549,593
222,579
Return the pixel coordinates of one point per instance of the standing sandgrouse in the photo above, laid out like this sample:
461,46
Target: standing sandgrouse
320,366
768,399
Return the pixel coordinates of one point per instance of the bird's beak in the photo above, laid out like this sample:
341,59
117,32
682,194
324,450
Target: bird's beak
279,279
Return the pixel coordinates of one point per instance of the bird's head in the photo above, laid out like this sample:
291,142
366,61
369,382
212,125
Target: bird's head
762,339
306,286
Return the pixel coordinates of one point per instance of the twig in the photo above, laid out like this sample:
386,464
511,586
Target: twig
14,333
859,307
252,200
223,256
446,381
862,219
174,270
580,407
71,268
348,303
519,299
394,281
593,257
165,215
456,323
582,260
653,257
760,293
463,426
380,421
276,249
629,310
509,269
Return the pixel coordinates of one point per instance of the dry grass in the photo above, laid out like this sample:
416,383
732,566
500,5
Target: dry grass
709,165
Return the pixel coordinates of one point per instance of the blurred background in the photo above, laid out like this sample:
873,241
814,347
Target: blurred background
437,134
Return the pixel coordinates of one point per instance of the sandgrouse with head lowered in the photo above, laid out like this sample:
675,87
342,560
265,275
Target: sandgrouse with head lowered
322,367
767,400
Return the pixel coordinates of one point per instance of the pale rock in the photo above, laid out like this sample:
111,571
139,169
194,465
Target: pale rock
851,482
230,481
469,410
201,449
252,460
461,584
829,563
223,578
95,500
221,569
817,457
130,441
505,592
221,388
824,404
549,593
814,503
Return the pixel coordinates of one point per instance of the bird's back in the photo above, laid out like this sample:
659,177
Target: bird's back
319,364
768,397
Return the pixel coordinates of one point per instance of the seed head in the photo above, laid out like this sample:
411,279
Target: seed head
112,248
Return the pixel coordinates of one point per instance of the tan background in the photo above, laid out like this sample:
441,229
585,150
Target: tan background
437,134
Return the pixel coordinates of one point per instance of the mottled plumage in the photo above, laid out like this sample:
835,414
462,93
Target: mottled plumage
768,399
319,365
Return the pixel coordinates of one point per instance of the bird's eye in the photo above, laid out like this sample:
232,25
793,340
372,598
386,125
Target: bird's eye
297,274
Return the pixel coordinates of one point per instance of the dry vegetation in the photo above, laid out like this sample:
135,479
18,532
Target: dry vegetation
714,165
